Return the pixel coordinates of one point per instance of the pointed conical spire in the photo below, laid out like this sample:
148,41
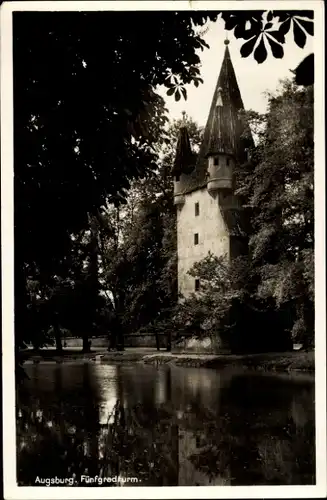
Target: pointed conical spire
223,130
183,163
219,138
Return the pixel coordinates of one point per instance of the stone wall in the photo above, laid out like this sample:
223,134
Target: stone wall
205,345
144,340
78,342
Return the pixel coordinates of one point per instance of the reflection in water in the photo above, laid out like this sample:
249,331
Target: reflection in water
165,426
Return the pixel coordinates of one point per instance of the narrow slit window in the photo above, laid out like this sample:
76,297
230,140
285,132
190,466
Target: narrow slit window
196,239
177,178
227,162
197,209
216,161
197,285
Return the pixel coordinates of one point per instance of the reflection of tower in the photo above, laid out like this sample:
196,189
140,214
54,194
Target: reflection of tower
196,398
171,476
196,387
191,445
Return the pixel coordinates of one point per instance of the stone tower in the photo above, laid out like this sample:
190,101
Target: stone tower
210,217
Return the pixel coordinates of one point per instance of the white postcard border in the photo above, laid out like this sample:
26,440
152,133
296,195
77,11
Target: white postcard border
11,490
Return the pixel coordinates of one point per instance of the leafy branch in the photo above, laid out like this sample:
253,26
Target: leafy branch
262,31
271,27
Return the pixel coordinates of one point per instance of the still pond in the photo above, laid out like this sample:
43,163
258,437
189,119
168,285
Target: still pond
164,426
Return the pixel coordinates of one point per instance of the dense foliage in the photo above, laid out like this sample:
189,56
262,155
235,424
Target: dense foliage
281,195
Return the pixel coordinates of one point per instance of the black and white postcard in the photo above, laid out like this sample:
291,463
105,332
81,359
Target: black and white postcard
163,249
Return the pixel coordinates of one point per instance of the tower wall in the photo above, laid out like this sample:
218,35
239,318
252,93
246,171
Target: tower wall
212,231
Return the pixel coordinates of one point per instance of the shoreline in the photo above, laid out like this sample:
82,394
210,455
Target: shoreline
303,361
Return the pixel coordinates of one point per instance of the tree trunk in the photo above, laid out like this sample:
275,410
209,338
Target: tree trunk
86,343
92,283
36,345
118,327
112,340
169,341
157,341
120,340
57,333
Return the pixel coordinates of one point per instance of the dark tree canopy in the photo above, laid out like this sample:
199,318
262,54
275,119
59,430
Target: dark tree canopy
86,114
86,117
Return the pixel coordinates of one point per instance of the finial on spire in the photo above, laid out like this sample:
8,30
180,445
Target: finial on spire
226,41
184,117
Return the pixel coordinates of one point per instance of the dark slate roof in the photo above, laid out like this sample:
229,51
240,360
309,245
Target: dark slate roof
224,130
184,159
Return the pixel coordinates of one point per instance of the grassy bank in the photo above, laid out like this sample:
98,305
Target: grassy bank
51,355
285,362
290,361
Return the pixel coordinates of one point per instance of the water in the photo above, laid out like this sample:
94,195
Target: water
163,426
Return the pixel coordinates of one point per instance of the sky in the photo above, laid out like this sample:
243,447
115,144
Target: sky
253,78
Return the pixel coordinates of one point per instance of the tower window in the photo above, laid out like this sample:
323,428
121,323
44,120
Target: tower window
227,162
196,239
197,285
177,178
197,209
216,161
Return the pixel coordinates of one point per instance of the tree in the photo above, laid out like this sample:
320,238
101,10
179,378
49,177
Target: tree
280,191
69,303
86,117
138,248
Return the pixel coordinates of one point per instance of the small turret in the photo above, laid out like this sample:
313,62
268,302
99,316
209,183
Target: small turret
183,164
